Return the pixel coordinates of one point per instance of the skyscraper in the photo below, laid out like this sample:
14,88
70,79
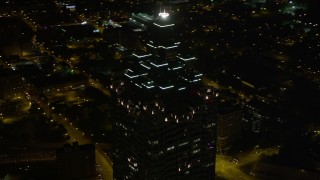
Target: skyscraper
170,129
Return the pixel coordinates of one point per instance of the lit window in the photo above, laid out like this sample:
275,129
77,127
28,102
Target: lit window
196,151
170,148
197,140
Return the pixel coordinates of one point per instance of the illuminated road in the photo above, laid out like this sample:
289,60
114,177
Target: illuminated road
105,163
102,160
227,168
97,85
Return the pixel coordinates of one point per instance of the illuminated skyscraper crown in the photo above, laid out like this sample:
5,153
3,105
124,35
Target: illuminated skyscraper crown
163,21
163,14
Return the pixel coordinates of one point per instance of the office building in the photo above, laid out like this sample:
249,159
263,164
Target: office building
229,126
169,132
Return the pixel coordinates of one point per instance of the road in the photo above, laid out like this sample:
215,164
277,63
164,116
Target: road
105,164
227,168
97,85
75,134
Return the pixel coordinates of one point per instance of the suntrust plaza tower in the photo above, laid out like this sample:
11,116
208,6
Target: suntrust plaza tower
170,129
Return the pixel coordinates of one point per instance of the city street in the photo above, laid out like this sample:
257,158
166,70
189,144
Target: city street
102,160
228,167
159,88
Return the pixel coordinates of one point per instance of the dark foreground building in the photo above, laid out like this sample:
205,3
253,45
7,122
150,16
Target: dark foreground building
170,131
76,162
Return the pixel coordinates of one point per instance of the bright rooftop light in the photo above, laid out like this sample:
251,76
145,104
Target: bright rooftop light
163,15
